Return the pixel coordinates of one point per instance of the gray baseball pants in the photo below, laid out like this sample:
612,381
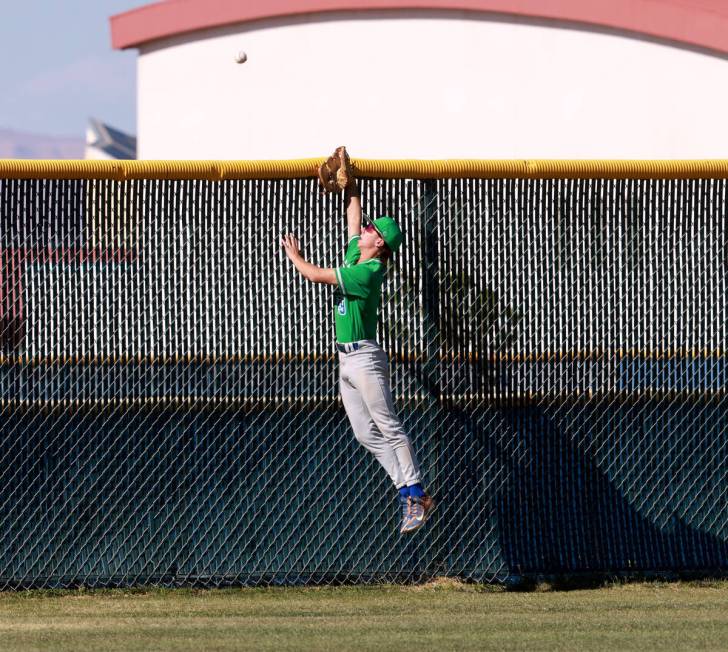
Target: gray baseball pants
367,397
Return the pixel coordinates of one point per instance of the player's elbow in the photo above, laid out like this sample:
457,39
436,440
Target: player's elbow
321,275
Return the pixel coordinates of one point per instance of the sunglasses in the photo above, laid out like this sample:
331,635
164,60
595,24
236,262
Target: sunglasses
370,227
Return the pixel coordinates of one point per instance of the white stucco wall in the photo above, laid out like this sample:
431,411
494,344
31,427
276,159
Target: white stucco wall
444,85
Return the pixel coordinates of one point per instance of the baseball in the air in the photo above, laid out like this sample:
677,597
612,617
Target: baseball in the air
241,57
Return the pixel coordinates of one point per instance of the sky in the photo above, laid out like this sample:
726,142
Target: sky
57,67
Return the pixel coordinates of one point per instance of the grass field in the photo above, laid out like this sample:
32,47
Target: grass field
442,616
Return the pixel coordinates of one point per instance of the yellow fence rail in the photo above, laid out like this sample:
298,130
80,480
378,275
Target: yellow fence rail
386,169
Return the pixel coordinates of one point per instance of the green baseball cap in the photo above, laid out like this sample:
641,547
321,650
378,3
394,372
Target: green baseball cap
389,231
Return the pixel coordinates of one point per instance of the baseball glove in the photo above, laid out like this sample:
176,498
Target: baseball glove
336,172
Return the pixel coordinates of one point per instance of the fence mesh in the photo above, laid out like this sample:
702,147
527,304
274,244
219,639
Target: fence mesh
169,409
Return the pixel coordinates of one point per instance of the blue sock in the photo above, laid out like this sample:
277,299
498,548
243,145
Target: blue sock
404,492
416,491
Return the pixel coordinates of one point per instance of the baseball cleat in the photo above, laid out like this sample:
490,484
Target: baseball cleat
419,510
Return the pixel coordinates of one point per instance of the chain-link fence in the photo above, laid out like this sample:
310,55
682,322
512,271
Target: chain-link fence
169,387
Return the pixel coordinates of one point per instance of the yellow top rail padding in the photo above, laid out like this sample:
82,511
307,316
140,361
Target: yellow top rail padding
387,169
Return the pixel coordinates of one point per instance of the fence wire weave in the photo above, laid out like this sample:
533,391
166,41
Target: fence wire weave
169,402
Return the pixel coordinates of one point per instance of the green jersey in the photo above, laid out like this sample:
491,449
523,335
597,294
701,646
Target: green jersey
357,296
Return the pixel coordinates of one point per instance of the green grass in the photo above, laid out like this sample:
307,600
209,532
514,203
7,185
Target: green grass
442,616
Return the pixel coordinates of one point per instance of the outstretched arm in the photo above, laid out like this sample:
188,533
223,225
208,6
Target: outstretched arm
352,201
311,272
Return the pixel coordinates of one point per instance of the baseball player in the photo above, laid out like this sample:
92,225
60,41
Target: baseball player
363,365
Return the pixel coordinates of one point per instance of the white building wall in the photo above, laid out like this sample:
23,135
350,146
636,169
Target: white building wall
427,85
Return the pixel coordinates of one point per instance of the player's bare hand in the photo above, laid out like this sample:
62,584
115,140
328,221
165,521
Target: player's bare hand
290,243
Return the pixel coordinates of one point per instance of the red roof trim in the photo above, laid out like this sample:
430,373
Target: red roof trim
701,23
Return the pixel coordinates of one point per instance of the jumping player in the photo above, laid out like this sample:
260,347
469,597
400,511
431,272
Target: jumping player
363,364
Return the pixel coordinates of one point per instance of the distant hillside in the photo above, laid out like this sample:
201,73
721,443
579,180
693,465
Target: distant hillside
17,144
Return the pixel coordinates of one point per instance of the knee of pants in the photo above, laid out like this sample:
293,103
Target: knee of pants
364,437
391,428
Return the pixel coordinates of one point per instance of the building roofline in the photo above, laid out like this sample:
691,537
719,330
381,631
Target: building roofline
699,23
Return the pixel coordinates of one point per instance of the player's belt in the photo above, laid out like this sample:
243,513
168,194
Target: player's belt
347,348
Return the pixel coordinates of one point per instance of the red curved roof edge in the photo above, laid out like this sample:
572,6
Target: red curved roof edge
701,23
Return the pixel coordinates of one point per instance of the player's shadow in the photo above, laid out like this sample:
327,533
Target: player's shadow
559,513
511,479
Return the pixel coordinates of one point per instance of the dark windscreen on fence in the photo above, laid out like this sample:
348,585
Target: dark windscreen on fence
169,401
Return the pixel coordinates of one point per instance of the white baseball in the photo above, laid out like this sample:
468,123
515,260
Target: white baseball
241,57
